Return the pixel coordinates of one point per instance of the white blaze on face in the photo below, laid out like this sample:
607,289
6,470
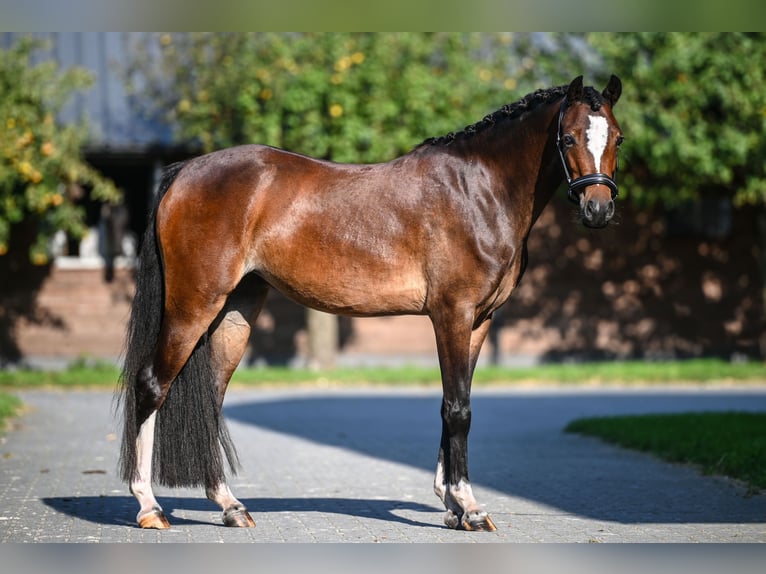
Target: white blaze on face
597,133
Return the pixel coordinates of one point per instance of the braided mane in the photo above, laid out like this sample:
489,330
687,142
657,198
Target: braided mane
510,111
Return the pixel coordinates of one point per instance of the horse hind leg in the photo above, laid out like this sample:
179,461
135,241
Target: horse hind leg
229,339
180,338
151,392
150,514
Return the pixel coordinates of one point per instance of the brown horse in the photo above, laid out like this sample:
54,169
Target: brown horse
440,231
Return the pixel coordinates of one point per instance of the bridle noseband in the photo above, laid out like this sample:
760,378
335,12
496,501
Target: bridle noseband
583,181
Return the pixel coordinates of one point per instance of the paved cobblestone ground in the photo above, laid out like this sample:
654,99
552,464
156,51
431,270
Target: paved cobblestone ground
357,466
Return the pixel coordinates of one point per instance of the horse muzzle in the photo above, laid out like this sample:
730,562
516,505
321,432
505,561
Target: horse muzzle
595,211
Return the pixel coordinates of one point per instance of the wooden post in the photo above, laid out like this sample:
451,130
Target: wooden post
322,339
761,234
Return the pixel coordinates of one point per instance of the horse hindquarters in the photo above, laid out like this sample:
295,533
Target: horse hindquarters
172,427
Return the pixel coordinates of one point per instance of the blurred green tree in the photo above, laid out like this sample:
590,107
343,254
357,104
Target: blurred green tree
42,170
694,115
342,96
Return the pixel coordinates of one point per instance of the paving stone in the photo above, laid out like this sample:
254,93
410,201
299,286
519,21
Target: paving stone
356,465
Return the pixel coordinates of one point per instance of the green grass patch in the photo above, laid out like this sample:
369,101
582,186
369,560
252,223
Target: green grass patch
620,372
408,375
731,444
9,406
78,374
84,373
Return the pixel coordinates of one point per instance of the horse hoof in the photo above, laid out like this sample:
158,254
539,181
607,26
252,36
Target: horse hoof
451,520
238,517
155,518
478,522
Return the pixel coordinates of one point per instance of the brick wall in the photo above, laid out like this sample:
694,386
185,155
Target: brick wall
78,314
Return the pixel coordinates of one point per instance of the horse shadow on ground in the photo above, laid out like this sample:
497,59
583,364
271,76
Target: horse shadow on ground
516,450
120,510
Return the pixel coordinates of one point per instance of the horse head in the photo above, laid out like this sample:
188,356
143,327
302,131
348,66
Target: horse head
588,141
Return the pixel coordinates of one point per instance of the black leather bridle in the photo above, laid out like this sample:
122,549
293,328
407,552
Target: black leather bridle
583,181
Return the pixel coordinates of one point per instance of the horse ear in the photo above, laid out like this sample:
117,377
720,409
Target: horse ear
574,93
613,90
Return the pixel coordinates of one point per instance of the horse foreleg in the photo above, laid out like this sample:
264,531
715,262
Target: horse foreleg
459,348
229,340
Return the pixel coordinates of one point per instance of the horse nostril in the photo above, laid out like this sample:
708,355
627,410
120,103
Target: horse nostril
609,210
591,208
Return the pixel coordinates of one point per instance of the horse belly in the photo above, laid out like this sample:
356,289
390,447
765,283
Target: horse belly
350,291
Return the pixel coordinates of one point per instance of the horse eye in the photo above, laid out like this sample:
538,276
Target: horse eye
620,139
568,140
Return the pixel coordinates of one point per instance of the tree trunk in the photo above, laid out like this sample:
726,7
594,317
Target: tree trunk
21,282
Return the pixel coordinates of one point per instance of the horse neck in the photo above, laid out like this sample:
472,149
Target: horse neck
522,155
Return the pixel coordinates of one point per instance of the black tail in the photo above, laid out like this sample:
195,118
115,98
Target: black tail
190,430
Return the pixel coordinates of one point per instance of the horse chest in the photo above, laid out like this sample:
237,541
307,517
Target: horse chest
505,284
